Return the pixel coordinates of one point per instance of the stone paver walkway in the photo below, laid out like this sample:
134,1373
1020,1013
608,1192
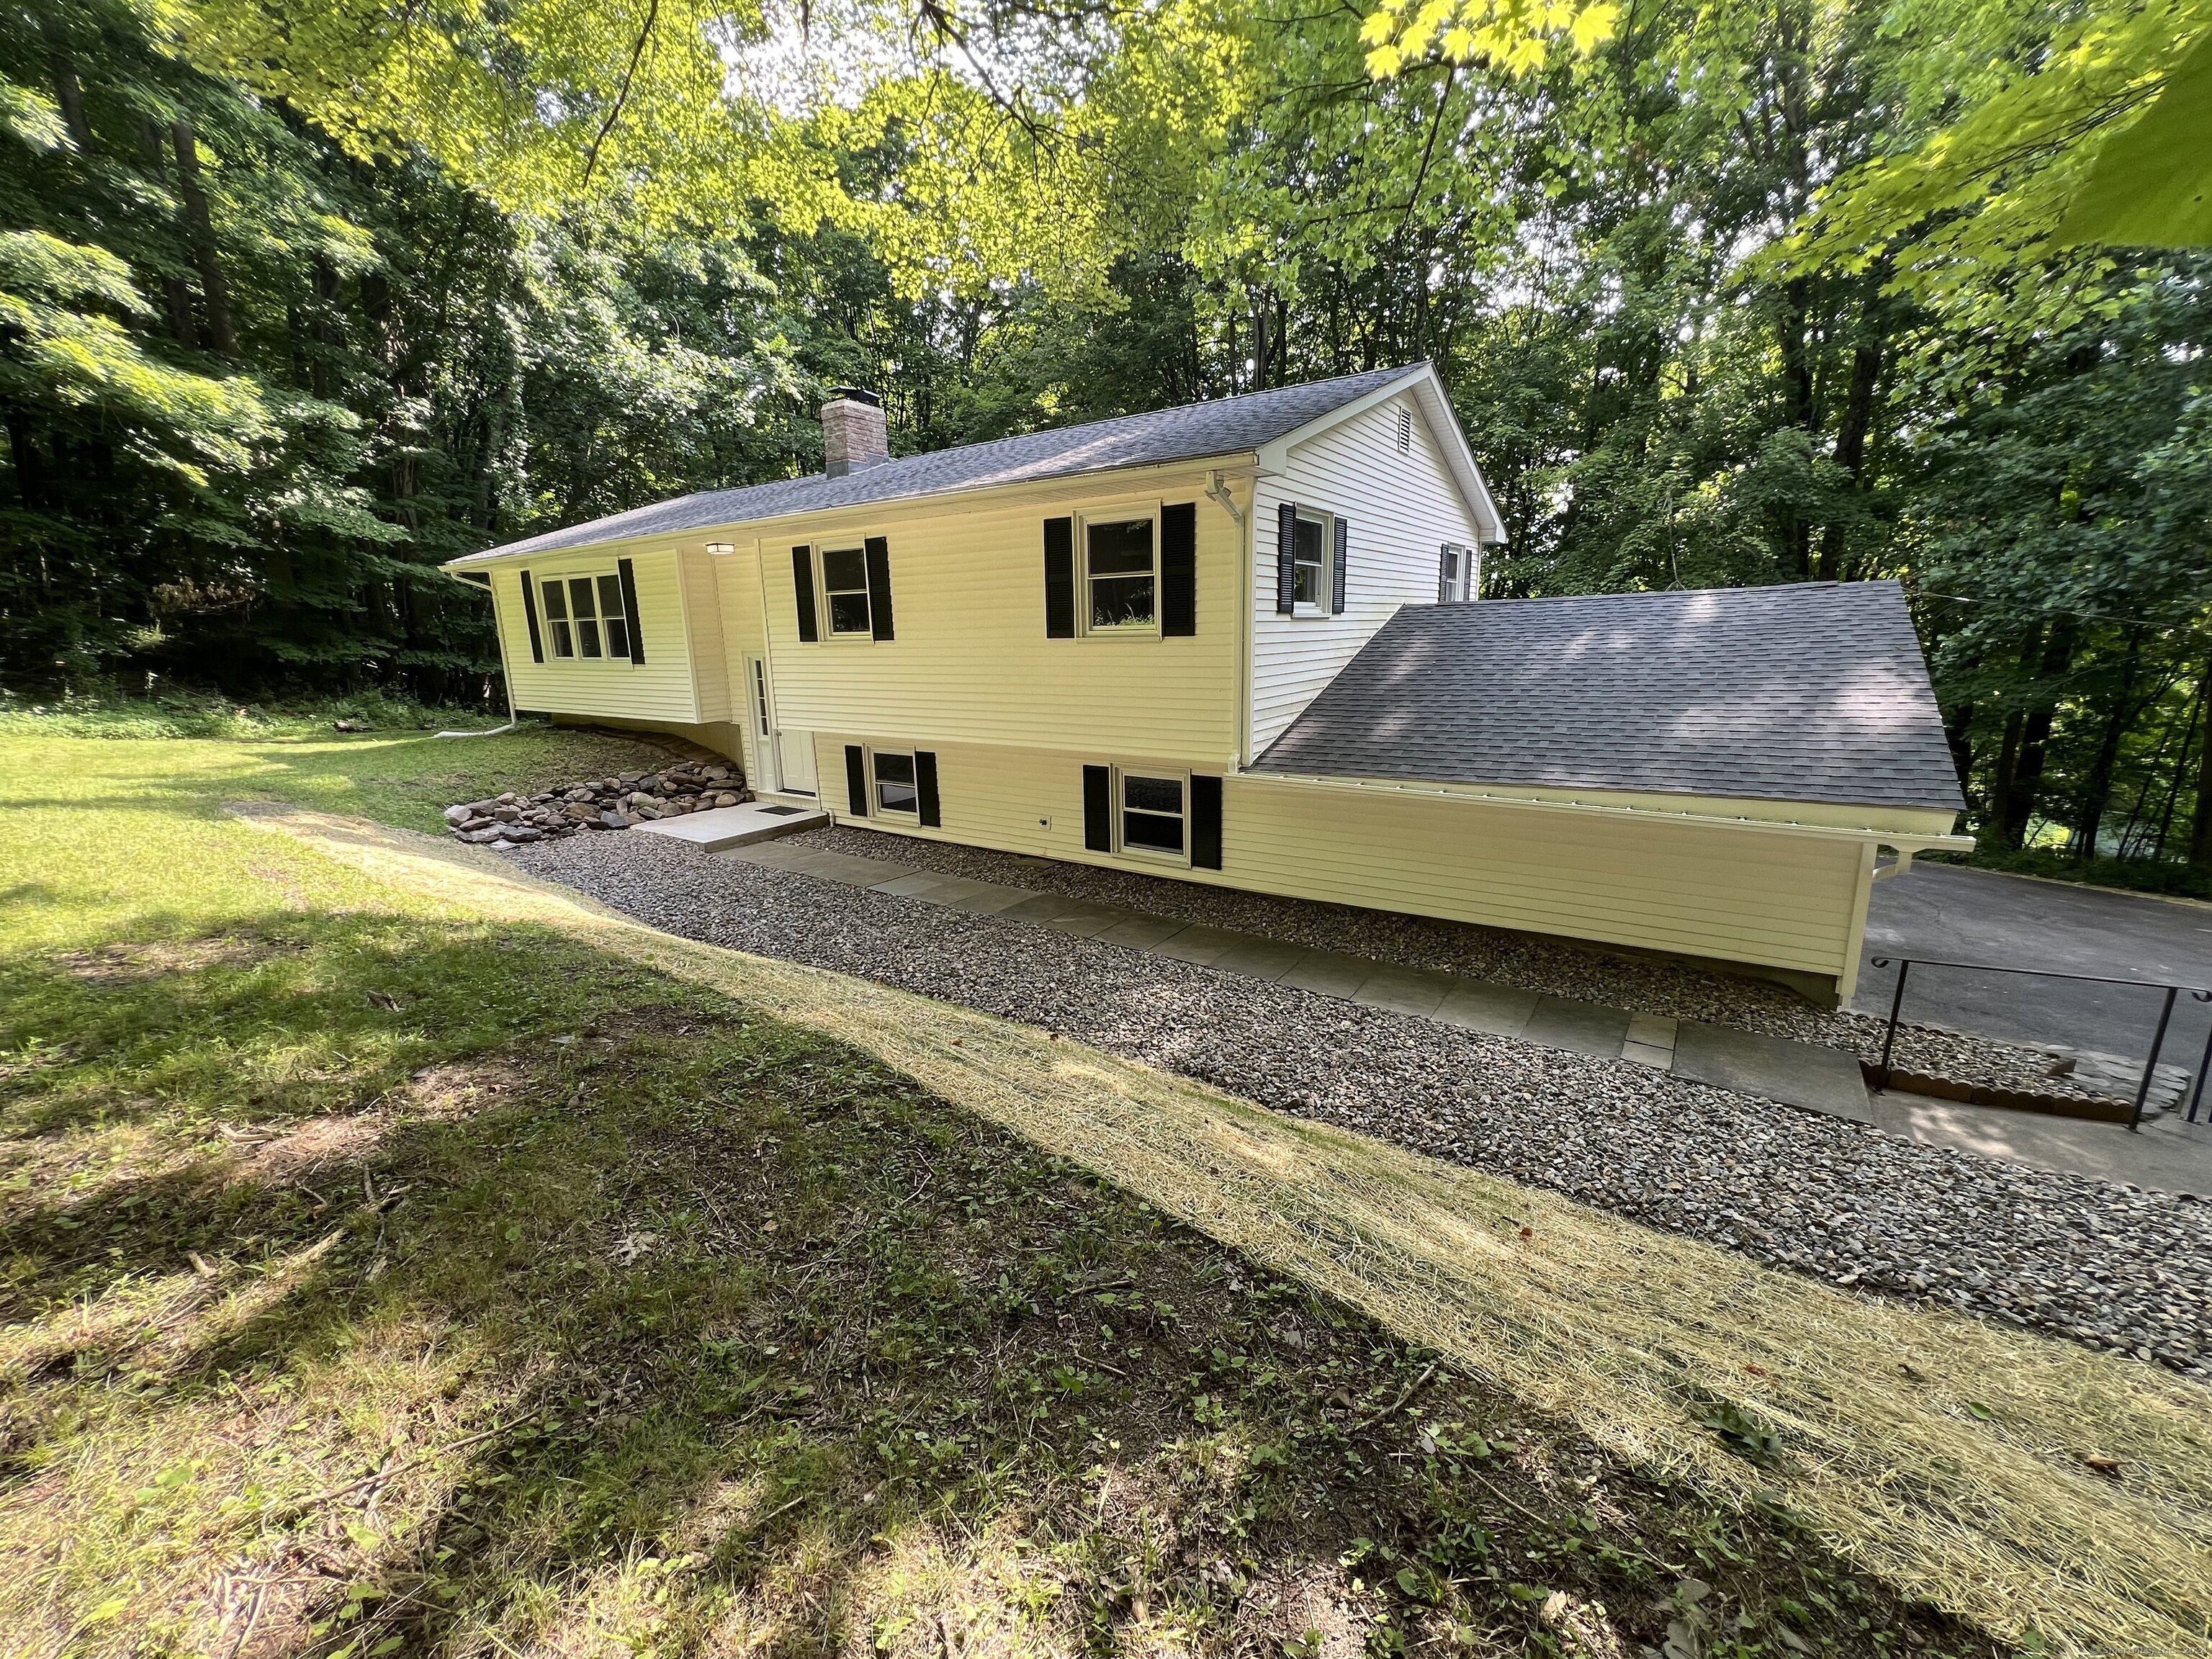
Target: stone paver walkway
1799,1074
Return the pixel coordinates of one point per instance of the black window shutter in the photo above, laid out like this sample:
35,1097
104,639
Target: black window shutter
925,788
802,582
856,779
1443,573
1286,558
628,574
1060,579
1336,567
530,611
1098,808
1204,822
880,586
1179,569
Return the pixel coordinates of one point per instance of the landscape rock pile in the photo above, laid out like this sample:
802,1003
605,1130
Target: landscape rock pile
609,803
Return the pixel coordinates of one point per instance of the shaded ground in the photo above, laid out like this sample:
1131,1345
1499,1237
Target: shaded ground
1961,914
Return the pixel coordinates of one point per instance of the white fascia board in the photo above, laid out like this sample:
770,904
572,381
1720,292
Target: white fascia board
1234,464
1421,380
1904,841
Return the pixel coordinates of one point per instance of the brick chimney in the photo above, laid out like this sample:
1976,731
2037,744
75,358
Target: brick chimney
854,434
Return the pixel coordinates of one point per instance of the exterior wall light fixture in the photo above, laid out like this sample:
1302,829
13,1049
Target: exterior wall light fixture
722,550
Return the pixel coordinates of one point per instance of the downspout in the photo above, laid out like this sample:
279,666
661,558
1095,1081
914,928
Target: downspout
1218,491
505,679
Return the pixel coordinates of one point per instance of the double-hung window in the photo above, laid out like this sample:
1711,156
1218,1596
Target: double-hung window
1154,813
897,790
845,591
1455,573
1121,574
1309,582
585,617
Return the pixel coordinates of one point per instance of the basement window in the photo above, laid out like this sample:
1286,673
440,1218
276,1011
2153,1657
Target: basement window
897,791
1152,816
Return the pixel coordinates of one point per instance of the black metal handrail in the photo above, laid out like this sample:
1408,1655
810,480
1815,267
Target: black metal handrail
1905,965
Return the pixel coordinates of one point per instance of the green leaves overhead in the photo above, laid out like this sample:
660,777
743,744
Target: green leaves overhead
1513,35
536,102
2100,133
2151,183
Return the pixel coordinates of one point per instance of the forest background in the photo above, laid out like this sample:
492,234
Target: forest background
299,298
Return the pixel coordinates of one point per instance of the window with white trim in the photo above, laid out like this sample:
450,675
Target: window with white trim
894,784
845,590
1152,816
584,616
1455,573
1119,583
1309,577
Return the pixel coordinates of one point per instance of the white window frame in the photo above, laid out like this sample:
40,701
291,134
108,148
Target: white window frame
876,788
1122,847
824,627
1113,513
1458,588
1327,522
565,624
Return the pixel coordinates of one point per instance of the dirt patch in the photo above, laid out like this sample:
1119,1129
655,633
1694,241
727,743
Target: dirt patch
135,964
290,1159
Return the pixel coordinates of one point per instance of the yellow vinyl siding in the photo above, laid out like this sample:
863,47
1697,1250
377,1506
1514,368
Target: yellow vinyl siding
660,688
1718,891
1402,509
970,662
737,592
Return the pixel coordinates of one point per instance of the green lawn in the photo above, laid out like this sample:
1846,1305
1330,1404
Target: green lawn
382,1280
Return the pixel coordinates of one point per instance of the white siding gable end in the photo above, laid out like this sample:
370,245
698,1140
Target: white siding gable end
1399,507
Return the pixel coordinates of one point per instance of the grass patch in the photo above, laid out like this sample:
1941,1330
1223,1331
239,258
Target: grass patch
388,1273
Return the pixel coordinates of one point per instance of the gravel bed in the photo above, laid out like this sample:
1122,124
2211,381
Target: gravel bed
1557,966
2100,1262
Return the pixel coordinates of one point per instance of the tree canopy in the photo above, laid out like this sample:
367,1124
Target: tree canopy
300,297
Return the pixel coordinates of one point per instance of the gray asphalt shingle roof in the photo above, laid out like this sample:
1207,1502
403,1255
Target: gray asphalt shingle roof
1815,692
1226,426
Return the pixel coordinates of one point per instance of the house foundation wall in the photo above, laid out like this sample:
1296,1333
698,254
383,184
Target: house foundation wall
1783,907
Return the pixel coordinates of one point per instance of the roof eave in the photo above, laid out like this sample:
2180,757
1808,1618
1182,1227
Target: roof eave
1421,379
1495,796
1222,459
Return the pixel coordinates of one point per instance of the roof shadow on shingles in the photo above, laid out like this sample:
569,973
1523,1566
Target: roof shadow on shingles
1225,426
1815,692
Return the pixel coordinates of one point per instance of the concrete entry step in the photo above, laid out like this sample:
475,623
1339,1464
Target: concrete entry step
720,828
1801,1074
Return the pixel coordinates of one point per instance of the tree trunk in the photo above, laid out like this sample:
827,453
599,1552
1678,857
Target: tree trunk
68,93
1852,446
2090,810
2035,732
200,223
1797,390
2001,783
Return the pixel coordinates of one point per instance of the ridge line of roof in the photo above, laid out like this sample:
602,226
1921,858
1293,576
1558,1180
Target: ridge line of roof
1379,378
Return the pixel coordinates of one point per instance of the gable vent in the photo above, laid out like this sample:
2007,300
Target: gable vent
1405,432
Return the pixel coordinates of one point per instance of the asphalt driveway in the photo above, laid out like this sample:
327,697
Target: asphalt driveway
1980,916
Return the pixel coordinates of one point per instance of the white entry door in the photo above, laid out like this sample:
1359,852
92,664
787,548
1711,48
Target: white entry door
788,755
